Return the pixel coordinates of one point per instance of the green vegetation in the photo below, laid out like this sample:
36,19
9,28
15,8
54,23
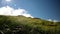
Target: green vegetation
24,25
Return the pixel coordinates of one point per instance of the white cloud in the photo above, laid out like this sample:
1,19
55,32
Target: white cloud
53,20
14,12
8,0
50,20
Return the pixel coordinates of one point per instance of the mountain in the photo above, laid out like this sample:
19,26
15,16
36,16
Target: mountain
27,25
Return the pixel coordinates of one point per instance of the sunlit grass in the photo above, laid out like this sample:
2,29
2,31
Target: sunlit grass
28,25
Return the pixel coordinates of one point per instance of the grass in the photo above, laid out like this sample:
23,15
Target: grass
24,25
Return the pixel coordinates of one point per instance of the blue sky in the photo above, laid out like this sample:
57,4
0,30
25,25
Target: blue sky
45,9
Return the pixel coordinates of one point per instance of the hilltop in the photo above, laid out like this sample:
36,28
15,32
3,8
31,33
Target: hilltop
27,25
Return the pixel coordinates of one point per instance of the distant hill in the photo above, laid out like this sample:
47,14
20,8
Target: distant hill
27,25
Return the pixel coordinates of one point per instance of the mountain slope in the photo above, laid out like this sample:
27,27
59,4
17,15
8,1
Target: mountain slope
24,25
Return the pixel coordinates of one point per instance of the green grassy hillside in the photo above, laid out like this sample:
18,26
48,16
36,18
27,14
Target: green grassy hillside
24,25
